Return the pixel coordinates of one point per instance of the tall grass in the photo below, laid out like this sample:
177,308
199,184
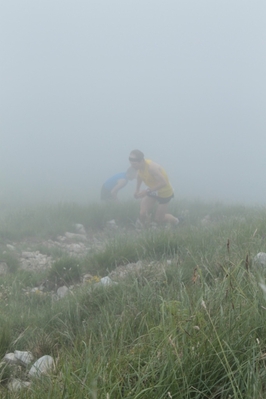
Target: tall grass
194,327
50,220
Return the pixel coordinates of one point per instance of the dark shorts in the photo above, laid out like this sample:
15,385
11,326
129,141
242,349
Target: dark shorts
105,194
161,200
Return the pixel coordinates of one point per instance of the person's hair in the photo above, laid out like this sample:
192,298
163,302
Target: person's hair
131,173
137,154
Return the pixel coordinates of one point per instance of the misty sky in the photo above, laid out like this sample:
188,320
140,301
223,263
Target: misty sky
83,83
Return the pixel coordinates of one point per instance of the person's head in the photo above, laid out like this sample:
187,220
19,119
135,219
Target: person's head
131,173
136,158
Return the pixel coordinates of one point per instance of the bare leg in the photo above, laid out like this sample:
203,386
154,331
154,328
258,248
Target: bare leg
146,205
162,216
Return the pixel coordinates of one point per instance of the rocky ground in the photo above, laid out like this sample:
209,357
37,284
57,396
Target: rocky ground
36,254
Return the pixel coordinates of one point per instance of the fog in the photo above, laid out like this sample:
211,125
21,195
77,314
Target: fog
85,82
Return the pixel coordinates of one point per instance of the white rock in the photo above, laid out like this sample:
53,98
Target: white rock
169,262
9,246
10,358
62,291
44,365
107,281
75,248
260,259
24,357
111,221
112,224
35,290
80,228
16,385
75,236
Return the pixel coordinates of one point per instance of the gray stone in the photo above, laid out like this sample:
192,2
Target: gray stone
112,224
11,247
62,291
15,384
35,261
106,281
10,358
24,357
260,259
75,236
80,228
44,365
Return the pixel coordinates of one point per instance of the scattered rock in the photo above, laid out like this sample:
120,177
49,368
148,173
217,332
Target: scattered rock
35,261
112,224
62,291
24,357
15,384
106,281
44,365
121,272
10,358
28,255
11,247
76,248
75,236
80,228
260,259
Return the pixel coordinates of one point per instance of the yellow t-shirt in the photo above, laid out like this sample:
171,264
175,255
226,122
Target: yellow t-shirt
151,182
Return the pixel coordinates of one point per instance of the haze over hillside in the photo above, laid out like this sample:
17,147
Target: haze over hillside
83,83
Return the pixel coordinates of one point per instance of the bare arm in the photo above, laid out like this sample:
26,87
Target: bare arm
120,184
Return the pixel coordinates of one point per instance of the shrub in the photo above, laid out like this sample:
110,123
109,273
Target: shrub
65,271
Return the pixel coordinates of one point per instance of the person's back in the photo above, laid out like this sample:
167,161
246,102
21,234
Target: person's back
112,185
149,178
112,181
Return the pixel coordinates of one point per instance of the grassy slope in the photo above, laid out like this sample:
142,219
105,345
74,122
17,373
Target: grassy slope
192,329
